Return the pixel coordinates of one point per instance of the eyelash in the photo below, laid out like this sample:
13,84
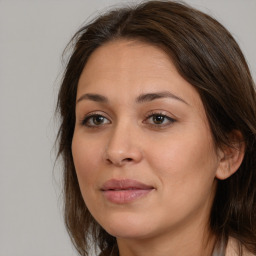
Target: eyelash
90,117
169,119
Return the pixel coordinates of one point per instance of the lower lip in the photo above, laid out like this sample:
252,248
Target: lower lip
125,196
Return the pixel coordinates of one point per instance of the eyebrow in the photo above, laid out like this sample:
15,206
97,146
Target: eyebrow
147,97
93,97
158,95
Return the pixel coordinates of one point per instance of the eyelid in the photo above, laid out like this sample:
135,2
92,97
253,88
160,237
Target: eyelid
160,112
92,114
165,114
169,117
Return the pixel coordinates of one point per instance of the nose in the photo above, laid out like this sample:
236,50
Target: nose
123,147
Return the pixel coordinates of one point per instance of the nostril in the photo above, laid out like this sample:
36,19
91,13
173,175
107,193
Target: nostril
128,159
109,161
119,163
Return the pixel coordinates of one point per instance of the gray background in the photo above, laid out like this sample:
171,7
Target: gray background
33,34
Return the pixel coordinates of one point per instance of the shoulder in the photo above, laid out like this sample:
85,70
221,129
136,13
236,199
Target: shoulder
233,249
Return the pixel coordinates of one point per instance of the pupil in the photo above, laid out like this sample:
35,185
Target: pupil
98,119
158,119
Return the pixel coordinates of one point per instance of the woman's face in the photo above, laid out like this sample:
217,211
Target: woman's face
142,146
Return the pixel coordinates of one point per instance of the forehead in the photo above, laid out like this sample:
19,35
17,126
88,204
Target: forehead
127,68
128,56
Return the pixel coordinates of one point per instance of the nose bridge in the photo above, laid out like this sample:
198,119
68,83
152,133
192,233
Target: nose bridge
123,144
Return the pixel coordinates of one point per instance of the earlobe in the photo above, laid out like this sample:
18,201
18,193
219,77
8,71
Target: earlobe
231,156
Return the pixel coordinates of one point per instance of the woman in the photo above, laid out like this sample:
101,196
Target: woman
158,135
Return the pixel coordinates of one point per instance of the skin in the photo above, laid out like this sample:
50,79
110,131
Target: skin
176,157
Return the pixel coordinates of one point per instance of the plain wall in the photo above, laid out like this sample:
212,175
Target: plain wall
33,34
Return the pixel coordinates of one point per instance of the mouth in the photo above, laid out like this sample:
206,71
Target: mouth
125,191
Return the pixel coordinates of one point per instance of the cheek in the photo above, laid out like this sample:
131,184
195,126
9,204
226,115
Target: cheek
186,172
185,162
86,157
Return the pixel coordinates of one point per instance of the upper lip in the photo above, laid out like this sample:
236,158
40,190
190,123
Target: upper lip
124,184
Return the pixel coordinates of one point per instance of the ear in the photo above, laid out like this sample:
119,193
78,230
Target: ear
231,156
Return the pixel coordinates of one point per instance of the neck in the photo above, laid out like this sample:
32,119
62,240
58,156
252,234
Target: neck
193,238
178,245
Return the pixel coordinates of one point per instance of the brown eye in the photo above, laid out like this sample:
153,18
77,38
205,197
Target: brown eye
95,121
158,119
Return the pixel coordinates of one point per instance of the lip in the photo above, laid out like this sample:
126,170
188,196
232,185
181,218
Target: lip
125,191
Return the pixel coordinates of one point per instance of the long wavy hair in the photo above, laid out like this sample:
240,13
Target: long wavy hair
207,56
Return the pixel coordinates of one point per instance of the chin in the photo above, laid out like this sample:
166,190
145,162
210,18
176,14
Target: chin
129,227
129,233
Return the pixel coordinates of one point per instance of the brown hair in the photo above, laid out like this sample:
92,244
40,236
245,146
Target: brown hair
207,56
